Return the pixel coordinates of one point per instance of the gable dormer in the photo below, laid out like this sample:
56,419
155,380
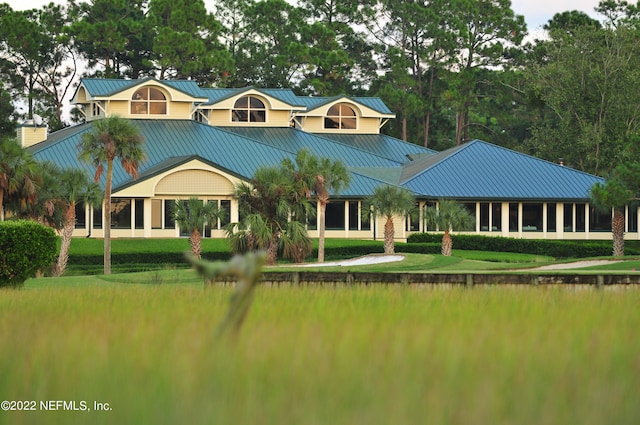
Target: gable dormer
343,115
138,99
251,107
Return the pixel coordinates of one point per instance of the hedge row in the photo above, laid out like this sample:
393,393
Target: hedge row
25,248
85,261
142,258
553,248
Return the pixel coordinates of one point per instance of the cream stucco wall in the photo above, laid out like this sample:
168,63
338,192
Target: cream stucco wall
364,126
222,118
191,178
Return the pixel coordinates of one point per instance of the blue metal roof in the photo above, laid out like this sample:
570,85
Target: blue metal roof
165,139
285,95
480,170
375,103
292,140
109,87
475,171
382,145
240,152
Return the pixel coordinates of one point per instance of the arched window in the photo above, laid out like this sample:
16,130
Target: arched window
249,109
148,101
341,116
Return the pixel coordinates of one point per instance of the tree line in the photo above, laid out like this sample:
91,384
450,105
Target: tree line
451,70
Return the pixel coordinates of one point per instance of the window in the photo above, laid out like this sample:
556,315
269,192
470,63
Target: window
551,217
471,208
97,217
334,218
513,217
81,216
365,221
428,226
632,217
185,204
121,213
249,109
156,213
532,217
484,217
413,220
148,101
169,214
139,214
95,109
496,217
340,116
353,215
580,217
225,206
599,221
568,217
162,213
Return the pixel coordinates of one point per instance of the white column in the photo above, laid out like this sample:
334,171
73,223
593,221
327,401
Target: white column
560,220
147,217
505,219
519,219
544,219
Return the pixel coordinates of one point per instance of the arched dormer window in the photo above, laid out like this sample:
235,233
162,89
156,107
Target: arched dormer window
249,109
341,116
148,101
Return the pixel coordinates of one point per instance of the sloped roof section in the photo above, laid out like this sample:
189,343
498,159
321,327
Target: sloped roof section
383,145
108,87
285,95
480,170
375,103
166,139
292,140
240,153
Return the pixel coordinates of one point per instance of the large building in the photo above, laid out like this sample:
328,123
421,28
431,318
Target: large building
202,142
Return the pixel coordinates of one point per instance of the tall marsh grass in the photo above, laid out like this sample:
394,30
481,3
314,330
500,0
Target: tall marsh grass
323,355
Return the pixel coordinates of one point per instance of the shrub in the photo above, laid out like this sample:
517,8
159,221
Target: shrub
553,248
26,247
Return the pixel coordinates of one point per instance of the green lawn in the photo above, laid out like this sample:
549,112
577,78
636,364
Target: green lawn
316,355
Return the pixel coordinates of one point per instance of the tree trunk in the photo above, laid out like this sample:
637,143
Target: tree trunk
459,127
404,129
617,228
447,244
389,234
107,219
65,243
272,252
1,205
427,124
196,243
321,229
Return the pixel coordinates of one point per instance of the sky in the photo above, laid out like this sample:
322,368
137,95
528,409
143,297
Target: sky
536,13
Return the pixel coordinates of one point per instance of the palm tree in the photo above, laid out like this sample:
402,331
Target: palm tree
74,186
192,216
17,167
318,177
622,186
110,139
389,202
270,205
448,216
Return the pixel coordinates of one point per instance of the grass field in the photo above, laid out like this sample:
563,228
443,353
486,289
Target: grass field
318,355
